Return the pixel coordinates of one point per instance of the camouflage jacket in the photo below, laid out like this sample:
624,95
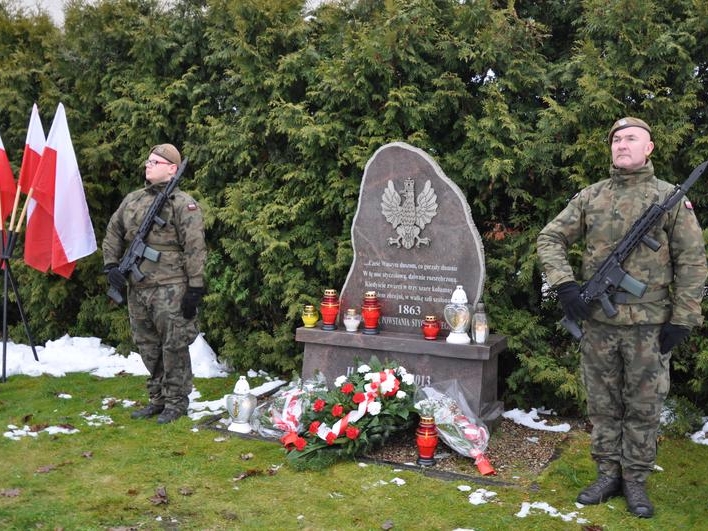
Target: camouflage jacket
180,241
600,215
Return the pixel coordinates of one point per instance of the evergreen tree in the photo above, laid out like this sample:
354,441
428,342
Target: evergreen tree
279,110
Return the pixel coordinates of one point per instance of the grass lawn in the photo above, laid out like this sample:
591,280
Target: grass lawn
132,474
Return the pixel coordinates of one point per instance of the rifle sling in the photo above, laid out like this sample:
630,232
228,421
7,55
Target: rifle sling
623,297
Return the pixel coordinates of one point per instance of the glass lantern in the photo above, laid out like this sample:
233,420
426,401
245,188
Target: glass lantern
457,315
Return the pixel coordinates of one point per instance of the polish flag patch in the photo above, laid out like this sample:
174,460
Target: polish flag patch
688,204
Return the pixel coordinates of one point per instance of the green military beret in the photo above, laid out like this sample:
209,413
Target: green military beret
167,152
628,121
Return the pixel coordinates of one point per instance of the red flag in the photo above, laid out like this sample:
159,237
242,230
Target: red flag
59,193
7,185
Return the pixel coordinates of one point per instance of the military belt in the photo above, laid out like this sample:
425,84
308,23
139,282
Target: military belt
623,297
165,247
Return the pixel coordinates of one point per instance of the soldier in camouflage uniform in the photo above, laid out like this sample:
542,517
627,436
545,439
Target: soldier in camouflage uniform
625,359
163,306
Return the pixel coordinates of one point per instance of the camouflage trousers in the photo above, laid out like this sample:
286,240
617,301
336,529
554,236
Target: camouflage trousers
163,336
627,380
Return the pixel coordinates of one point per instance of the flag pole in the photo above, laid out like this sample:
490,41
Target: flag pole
18,226
7,250
11,238
14,208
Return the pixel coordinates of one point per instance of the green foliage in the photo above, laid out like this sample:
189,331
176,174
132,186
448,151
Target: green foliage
681,417
279,113
689,378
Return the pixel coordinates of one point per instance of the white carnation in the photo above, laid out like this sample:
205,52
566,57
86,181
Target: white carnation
387,385
374,408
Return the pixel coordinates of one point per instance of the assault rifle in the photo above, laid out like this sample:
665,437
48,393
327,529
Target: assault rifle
138,250
610,275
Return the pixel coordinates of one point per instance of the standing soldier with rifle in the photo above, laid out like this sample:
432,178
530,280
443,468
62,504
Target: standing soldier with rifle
155,243
626,342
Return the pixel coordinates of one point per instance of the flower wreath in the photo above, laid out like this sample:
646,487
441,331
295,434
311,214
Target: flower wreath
359,414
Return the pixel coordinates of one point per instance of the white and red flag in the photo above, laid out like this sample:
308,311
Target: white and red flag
34,145
7,185
59,193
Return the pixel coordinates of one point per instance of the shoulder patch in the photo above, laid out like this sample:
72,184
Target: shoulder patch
191,206
688,204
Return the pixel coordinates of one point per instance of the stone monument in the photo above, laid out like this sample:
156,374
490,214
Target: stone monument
414,242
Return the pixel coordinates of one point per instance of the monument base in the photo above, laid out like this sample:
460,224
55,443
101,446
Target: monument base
336,353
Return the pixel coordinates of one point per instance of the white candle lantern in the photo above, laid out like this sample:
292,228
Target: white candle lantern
240,406
479,325
457,316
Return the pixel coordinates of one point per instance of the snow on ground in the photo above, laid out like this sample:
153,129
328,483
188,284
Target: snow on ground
531,420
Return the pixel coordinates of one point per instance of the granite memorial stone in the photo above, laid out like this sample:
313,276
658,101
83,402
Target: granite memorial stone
414,242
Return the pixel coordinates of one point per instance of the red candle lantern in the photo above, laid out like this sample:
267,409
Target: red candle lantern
370,313
430,327
329,308
426,439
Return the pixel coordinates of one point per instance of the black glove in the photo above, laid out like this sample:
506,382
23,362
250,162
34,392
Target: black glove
116,279
671,335
190,301
574,307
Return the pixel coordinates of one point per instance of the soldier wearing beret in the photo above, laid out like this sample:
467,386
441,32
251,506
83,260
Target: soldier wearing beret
162,306
625,358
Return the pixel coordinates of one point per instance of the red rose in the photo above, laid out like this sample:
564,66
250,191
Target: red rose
331,437
300,444
352,432
348,388
314,427
337,410
319,405
358,398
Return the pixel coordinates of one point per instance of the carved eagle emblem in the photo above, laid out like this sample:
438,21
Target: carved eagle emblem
409,215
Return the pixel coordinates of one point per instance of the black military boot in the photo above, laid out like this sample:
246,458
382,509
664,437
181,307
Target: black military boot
603,489
637,500
148,411
169,415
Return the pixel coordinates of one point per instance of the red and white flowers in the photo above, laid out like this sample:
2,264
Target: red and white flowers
359,413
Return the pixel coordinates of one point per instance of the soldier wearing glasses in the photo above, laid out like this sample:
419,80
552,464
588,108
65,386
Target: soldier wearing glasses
163,306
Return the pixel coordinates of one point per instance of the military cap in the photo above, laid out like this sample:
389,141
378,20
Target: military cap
628,121
167,152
